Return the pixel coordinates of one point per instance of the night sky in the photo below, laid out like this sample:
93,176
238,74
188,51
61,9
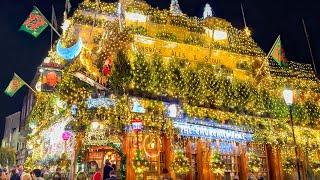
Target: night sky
21,53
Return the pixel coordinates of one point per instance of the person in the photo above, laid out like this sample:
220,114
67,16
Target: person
20,170
36,174
26,176
14,174
165,174
4,174
57,175
107,169
97,175
113,175
114,166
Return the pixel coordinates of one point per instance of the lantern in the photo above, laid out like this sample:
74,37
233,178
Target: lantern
66,135
136,124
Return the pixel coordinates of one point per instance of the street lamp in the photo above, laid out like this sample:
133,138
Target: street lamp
288,98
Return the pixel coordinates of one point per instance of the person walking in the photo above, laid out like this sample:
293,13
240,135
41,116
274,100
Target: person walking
107,169
97,175
14,174
36,174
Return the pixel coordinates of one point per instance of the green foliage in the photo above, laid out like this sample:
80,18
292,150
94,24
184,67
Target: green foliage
141,73
121,75
180,164
139,30
166,36
7,157
217,166
159,71
255,162
194,40
140,163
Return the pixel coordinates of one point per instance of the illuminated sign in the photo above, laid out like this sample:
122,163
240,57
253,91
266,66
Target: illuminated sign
209,132
100,102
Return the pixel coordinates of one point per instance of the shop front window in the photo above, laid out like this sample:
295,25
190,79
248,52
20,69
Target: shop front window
231,157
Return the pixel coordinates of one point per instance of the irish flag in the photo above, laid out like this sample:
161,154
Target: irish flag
35,23
15,84
277,52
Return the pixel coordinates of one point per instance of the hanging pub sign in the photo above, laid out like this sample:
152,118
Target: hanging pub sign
50,79
136,124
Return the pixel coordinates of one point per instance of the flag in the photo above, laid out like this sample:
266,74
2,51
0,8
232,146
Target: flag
277,52
15,84
68,6
35,23
54,19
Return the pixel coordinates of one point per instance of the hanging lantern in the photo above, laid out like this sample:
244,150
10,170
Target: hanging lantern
136,124
66,135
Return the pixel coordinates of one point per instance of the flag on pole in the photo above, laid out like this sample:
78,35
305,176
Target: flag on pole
15,84
277,52
54,19
35,23
68,6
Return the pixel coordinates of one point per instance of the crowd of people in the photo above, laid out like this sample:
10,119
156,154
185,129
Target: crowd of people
19,173
109,172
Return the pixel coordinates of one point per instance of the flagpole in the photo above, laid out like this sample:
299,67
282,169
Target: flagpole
47,21
244,18
309,45
26,84
268,55
51,28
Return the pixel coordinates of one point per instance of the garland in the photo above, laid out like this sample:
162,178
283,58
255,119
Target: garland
180,164
217,165
254,162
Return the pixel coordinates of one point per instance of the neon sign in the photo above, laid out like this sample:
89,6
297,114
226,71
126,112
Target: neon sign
209,132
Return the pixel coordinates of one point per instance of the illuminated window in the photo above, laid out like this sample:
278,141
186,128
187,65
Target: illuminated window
137,17
219,35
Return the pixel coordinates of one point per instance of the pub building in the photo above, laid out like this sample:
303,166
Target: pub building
144,132
196,138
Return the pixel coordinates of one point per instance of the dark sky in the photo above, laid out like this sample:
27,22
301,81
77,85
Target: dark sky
21,53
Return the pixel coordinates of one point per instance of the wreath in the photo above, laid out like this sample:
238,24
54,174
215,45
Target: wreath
140,163
217,165
180,163
255,162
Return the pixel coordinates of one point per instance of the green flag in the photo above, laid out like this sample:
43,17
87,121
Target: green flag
277,53
15,84
35,23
